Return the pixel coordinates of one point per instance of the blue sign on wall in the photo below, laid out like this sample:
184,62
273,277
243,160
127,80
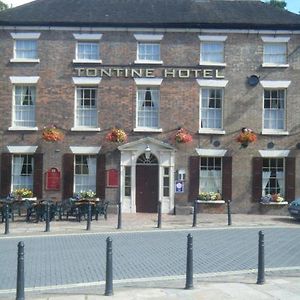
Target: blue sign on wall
179,186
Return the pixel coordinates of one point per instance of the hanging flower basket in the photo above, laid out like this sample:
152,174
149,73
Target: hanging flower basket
116,135
246,136
183,136
52,134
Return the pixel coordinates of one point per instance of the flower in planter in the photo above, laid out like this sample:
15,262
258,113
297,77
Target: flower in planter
116,135
85,195
210,196
52,134
246,136
183,136
22,193
272,198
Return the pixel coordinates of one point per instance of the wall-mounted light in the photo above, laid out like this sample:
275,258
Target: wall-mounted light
147,152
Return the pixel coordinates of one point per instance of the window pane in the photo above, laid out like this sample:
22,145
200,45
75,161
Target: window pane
211,174
26,49
273,176
22,172
24,106
212,52
86,108
85,173
211,108
275,53
149,51
87,51
274,109
148,107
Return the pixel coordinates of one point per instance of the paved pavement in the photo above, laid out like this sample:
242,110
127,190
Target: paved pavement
212,233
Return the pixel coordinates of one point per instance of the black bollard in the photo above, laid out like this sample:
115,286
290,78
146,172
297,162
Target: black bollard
47,217
159,214
89,217
109,268
189,263
195,213
20,272
261,259
119,215
228,212
6,218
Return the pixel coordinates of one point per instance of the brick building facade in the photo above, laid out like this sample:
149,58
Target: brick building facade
88,67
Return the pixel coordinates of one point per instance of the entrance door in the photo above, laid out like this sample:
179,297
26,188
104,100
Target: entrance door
147,188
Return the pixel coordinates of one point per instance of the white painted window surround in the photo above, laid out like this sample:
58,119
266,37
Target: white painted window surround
24,79
280,84
85,150
22,149
212,38
148,37
211,152
212,83
148,81
274,153
86,81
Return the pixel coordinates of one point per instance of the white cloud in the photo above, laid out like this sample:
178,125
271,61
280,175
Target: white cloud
15,3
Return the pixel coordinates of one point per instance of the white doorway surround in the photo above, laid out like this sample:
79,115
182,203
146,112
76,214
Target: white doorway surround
130,153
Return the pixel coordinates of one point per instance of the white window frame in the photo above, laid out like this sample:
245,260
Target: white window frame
22,81
88,83
267,40
91,187
26,180
275,85
148,39
220,179
144,83
282,180
205,39
93,38
211,84
25,36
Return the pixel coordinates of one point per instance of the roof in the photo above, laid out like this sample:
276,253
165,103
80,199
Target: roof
214,14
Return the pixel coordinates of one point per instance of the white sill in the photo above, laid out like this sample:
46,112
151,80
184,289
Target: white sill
85,129
204,63
274,203
25,60
19,128
149,62
211,201
87,61
274,132
275,66
142,129
210,131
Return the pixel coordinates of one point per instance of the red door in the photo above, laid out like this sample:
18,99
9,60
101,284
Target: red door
147,188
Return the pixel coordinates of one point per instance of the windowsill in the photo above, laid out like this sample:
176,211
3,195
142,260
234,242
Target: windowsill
266,65
148,62
210,131
146,129
19,128
274,132
86,61
203,63
24,60
211,201
274,203
85,129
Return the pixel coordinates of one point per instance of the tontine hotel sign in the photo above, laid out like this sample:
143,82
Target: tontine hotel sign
149,73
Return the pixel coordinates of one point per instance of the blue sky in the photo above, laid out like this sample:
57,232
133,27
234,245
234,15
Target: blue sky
292,5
